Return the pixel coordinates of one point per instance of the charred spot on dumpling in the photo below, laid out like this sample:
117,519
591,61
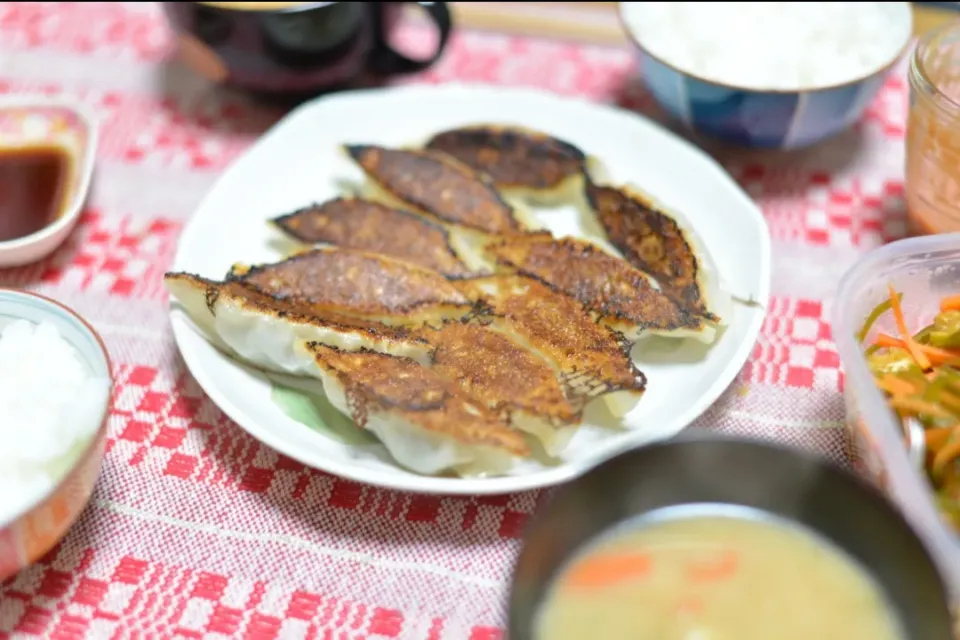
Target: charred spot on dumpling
604,284
578,344
592,360
437,185
357,283
513,382
512,156
364,225
498,372
375,383
651,241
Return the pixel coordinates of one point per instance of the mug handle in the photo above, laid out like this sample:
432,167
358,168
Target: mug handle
386,61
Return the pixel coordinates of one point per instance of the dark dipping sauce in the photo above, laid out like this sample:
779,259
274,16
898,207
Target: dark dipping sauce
33,184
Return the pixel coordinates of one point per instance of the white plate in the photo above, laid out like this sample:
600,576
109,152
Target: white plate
298,162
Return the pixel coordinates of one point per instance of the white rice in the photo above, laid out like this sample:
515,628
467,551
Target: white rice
51,404
772,45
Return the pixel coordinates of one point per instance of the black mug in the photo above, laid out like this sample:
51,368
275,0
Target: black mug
296,49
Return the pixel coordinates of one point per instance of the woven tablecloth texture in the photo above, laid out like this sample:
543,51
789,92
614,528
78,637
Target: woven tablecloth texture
196,529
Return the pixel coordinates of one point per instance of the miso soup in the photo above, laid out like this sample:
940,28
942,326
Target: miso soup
709,576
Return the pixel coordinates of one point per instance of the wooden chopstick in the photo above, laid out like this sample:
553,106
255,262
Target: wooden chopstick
597,22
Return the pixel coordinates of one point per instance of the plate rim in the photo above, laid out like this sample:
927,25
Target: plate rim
411,482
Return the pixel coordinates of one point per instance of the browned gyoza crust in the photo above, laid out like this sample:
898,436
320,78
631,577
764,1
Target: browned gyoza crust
512,156
498,373
558,327
375,382
604,284
355,223
354,283
651,241
439,186
291,309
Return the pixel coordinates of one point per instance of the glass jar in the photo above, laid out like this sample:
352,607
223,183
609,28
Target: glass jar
932,185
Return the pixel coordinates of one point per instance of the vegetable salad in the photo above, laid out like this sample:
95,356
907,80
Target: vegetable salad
919,373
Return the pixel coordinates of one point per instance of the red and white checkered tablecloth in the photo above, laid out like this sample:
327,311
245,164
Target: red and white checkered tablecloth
198,530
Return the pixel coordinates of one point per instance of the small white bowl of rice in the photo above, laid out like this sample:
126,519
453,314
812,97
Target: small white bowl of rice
55,388
767,74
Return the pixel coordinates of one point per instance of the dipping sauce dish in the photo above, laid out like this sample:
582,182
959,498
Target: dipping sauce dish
696,470
47,152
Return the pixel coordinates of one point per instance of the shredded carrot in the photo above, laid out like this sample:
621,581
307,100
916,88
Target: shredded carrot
889,342
905,334
950,303
932,394
937,437
939,355
896,386
935,355
916,405
719,568
950,402
607,569
945,456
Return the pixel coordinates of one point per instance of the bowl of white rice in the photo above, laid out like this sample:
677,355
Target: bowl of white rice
767,74
55,389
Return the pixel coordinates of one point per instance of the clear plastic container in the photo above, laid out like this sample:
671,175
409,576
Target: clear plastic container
925,269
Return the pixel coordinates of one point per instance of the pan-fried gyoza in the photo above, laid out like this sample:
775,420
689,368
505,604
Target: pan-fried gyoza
425,420
263,330
520,162
592,360
616,293
442,189
440,315
356,223
358,284
438,186
512,382
662,244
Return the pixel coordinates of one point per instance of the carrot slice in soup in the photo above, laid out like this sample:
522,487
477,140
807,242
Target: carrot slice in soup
690,605
607,570
722,567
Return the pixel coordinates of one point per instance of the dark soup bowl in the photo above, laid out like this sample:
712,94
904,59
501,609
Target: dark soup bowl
296,49
699,469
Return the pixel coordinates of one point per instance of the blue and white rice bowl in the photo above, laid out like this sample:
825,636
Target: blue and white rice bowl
746,113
